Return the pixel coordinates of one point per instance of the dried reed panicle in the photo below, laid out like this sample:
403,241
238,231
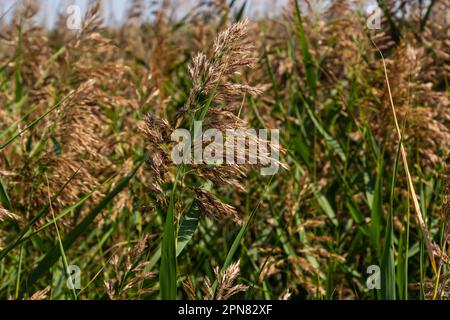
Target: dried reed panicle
227,175
337,47
75,136
435,39
424,110
92,21
207,289
285,295
189,289
6,214
75,139
226,287
214,208
26,9
270,266
212,75
128,270
35,49
158,133
205,20
136,252
206,12
42,294
77,128
383,38
223,119
136,10
416,81
225,282
231,53
163,52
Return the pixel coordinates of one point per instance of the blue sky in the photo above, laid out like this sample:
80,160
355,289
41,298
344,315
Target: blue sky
115,10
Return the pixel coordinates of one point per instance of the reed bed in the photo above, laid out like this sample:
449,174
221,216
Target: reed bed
87,179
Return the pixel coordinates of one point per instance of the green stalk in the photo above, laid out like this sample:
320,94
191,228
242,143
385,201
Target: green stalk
168,268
